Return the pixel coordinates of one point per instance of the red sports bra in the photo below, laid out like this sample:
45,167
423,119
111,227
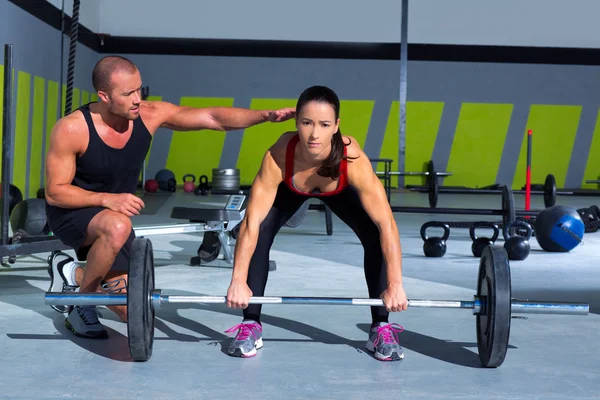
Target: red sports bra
289,171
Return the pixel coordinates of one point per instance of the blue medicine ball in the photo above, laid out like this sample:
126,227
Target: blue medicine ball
559,229
162,177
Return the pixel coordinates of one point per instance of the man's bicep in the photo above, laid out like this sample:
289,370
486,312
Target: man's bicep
184,118
60,159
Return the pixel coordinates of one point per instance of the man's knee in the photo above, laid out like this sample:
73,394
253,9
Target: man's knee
114,226
119,229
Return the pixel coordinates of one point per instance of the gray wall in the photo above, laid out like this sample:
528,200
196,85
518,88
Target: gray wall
37,52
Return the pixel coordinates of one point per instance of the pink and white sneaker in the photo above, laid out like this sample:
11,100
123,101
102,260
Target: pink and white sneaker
247,340
383,342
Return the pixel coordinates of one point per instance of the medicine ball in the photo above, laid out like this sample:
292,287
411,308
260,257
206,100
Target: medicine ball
559,229
151,186
30,216
166,180
14,197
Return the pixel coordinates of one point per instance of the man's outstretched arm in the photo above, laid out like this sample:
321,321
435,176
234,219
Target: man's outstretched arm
183,118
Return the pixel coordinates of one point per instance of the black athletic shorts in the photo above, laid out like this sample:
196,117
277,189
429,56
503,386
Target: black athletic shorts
70,227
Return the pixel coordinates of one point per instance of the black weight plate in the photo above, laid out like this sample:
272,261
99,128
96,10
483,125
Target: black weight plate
508,206
550,191
210,248
298,216
432,184
140,313
494,290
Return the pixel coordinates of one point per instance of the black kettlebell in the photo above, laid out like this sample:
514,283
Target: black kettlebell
171,185
202,188
517,246
434,246
480,243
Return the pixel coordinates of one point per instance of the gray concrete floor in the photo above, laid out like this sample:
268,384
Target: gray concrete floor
314,351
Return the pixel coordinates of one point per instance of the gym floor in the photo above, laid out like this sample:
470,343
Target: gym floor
314,351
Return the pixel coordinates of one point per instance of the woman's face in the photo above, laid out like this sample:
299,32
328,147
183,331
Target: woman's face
316,124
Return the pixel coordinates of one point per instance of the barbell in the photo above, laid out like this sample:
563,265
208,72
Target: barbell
433,190
492,304
508,211
431,180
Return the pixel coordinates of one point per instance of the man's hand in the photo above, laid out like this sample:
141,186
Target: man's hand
124,203
238,295
394,298
281,115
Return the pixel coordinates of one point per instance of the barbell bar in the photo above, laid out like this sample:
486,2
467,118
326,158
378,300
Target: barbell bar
508,211
549,191
406,173
158,299
492,303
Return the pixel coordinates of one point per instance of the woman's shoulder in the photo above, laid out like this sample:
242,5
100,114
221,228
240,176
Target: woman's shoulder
278,149
353,149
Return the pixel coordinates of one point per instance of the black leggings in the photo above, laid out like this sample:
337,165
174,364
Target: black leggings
348,207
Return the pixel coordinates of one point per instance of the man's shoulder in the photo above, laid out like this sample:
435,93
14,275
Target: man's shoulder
72,123
70,130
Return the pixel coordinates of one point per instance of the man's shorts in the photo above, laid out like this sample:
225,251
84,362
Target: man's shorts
70,227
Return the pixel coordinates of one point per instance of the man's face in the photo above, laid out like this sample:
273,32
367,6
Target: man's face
124,97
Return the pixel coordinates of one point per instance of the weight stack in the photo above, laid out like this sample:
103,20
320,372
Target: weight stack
225,181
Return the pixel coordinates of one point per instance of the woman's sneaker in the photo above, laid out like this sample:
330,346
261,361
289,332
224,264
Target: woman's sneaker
83,322
383,342
61,268
247,340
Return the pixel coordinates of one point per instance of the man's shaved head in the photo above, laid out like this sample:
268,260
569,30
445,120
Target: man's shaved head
106,67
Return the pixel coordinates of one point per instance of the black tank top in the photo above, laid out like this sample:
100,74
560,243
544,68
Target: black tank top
105,169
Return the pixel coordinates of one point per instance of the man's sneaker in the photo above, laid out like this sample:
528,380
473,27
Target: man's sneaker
383,342
61,268
83,322
247,340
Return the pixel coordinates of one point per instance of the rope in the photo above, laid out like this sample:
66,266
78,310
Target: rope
72,53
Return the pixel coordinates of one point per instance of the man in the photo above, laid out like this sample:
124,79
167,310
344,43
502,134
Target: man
92,170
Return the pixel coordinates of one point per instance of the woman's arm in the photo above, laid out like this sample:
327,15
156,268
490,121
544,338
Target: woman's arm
262,196
374,200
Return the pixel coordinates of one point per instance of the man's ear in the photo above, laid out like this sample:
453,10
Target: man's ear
103,96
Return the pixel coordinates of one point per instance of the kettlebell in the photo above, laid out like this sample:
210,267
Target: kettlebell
171,185
434,246
202,189
480,243
188,186
517,246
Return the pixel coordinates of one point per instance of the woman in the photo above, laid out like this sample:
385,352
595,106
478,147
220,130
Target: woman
317,161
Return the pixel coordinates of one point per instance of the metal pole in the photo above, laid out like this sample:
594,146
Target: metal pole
403,82
524,307
6,139
62,56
